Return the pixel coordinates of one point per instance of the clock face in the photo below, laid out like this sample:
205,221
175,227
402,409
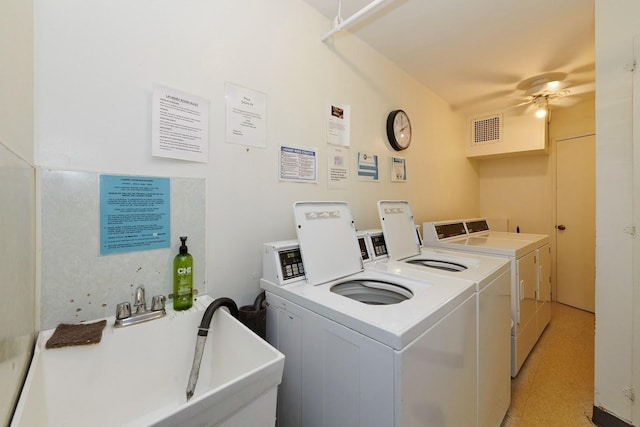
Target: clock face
399,130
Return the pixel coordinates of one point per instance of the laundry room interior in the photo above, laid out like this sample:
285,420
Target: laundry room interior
83,84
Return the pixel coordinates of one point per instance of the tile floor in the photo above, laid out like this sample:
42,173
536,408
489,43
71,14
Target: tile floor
555,385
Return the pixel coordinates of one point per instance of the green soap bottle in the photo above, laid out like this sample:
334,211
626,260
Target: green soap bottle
183,278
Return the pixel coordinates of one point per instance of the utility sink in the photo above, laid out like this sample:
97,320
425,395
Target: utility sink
137,376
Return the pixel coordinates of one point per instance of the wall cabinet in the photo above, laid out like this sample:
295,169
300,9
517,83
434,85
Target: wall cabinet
506,134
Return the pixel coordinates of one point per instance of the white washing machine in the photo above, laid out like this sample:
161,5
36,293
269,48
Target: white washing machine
492,279
364,348
530,259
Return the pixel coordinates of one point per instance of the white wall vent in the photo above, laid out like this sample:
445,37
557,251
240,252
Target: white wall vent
486,130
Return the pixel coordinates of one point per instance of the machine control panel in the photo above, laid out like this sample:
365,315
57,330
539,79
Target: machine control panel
291,263
477,226
454,229
379,245
282,263
364,251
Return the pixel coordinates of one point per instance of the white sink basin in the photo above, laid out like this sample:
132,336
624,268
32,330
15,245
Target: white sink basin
137,376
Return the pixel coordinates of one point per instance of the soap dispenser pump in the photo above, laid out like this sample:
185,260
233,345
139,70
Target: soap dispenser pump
183,278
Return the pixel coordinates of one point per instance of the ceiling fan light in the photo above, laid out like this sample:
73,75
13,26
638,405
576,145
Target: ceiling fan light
554,84
541,112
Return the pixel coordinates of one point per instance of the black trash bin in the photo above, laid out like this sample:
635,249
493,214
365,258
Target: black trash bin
255,316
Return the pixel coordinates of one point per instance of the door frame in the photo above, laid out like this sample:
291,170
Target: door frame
579,128
635,274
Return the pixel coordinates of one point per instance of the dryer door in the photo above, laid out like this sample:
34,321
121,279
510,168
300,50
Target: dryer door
527,277
526,337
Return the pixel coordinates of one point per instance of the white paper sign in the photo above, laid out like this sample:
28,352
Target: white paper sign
246,116
339,124
398,169
368,169
337,167
179,125
298,164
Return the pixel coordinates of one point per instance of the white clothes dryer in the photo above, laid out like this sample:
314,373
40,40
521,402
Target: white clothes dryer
480,227
492,279
364,348
530,259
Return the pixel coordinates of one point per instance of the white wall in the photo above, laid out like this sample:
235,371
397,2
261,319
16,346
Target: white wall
17,200
17,284
80,285
616,24
517,189
95,65
16,76
522,189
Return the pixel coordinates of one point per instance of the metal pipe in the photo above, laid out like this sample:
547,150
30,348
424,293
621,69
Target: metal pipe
350,20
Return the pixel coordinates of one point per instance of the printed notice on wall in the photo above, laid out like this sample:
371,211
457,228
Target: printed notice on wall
298,164
398,169
246,116
338,169
179,125
368,167
134,213
339,124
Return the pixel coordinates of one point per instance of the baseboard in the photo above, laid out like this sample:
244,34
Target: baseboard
602,418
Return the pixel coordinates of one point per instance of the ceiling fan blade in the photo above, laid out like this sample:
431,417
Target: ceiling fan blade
522,104
538,82
521,107
588,69
564,102
582,88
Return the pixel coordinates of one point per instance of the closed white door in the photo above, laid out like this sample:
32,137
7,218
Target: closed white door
575,227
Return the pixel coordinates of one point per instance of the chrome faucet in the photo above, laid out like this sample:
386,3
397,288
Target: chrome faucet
140,302
142,313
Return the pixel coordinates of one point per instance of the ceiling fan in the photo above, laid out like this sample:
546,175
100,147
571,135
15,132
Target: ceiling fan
544,90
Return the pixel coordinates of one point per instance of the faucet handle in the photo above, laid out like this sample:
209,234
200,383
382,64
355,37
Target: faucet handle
139,301
123,310
157,302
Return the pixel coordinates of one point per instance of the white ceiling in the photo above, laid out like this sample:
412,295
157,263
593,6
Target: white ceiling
479,54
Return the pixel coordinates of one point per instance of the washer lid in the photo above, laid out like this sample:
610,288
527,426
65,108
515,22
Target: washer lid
328,242
399,229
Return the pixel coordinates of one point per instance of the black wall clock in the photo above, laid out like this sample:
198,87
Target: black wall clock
398,130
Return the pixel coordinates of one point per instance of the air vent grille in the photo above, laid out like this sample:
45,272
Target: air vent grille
486,130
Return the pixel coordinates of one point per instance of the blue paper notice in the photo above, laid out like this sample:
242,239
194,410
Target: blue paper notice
367,167
134,213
